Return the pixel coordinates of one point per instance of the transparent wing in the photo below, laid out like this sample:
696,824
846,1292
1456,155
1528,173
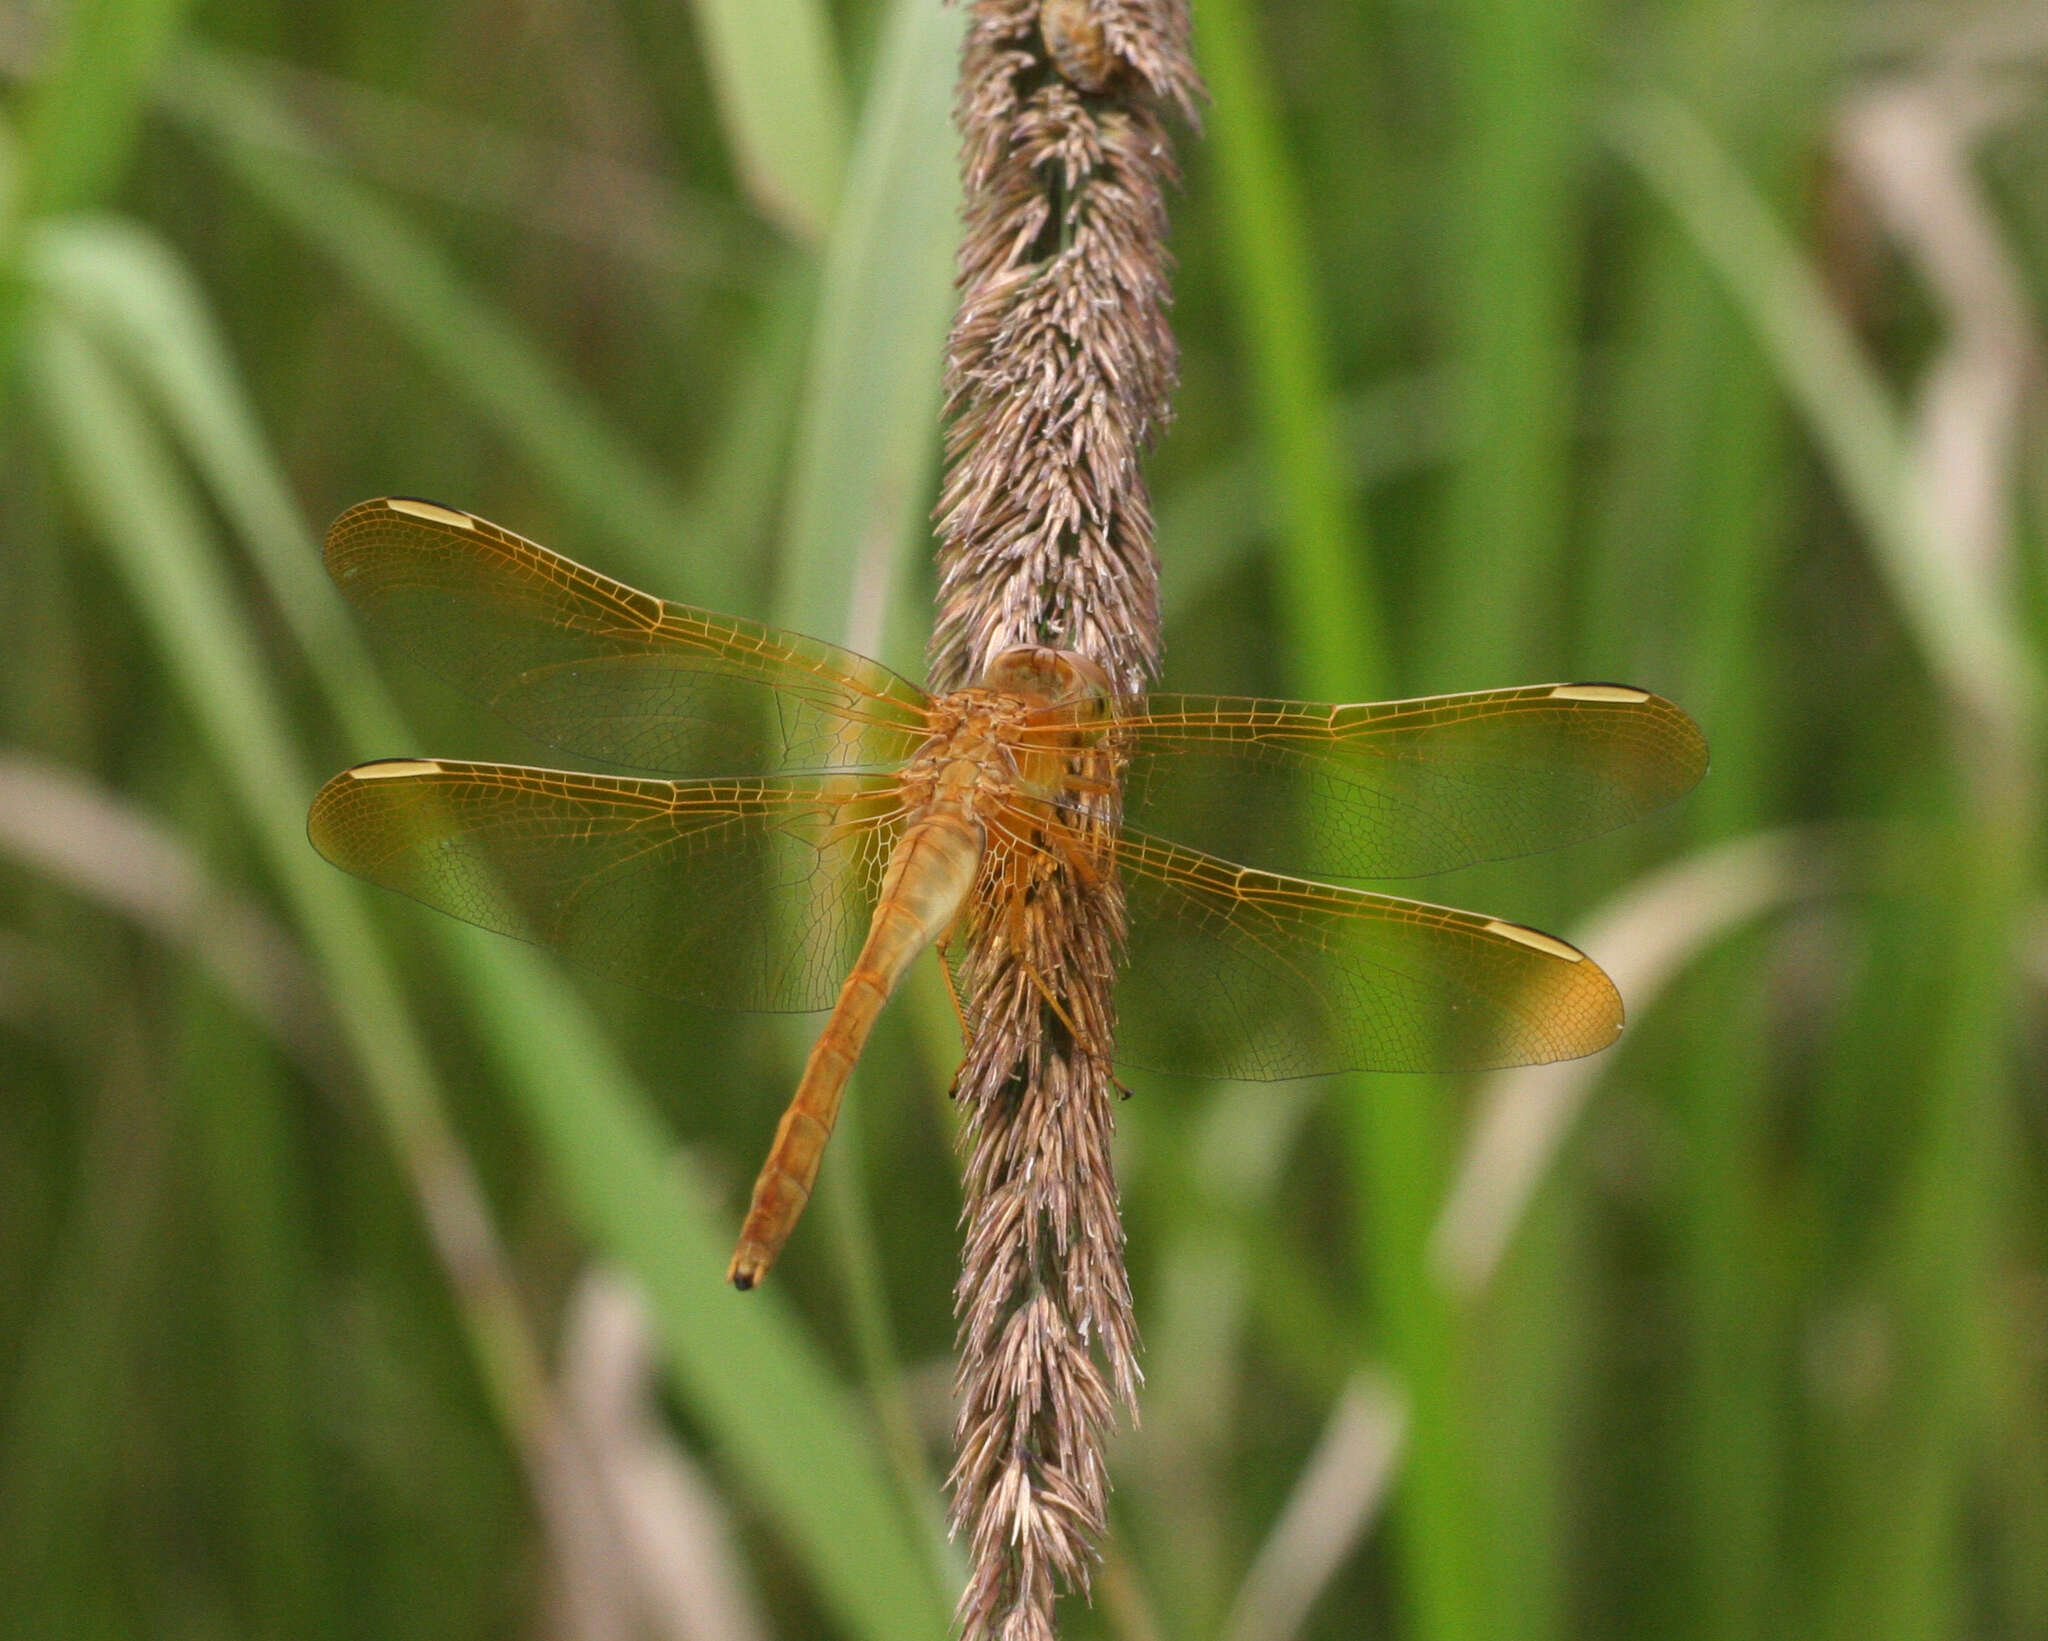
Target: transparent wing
746,893
595,668
1401,788
1240,973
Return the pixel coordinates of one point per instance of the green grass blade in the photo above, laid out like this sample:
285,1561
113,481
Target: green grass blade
782,103
1966,639
127,289
1491,610
1214,520
77,1361
692,238
1694,529
868,436
867,445
80,121
88,108
1492,593
149,520
788,1430
237,1117
783,1423
1329,598
135,296
486,358
1399,1135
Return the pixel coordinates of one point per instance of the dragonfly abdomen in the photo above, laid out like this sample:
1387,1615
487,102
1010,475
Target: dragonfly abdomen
929,875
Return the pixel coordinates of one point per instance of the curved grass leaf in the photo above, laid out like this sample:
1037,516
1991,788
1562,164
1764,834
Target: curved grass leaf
782,1423
1958,623
87,110
482,354
868,438
782,103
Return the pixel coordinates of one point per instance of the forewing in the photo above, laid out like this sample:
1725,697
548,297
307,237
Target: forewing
595,668
1240,973
1403,788
750,894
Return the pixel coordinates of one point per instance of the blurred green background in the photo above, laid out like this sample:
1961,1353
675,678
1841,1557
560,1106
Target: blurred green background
1693,343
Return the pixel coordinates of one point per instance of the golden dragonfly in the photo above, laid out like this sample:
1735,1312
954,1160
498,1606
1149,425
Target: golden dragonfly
820,820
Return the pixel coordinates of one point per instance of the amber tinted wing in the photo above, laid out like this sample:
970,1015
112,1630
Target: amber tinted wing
1241,973
746,893
595,668
1402,788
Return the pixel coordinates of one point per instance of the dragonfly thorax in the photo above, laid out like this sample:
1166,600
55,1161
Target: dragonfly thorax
984,752
968,755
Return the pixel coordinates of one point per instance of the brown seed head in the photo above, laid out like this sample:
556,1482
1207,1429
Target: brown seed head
1058,372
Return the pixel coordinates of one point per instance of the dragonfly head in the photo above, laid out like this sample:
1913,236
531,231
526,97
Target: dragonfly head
1049,677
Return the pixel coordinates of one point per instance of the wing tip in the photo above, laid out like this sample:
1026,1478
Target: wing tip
347,532
1690,767
337,796
1586,1003
1603,1015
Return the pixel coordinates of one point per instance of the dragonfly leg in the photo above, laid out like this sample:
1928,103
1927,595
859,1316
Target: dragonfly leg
953,990
1082,1039
1081,852
1077,784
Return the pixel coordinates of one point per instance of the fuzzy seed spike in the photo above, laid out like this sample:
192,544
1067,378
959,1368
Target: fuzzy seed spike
1058,373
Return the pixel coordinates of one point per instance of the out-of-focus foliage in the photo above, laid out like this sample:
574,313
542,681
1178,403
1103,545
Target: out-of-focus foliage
1694,344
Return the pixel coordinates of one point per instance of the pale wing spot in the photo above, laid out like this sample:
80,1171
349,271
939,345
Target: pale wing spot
1599,692
431,511
393,769
1535,938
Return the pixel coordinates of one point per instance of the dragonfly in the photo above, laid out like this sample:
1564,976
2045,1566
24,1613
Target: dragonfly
806,822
